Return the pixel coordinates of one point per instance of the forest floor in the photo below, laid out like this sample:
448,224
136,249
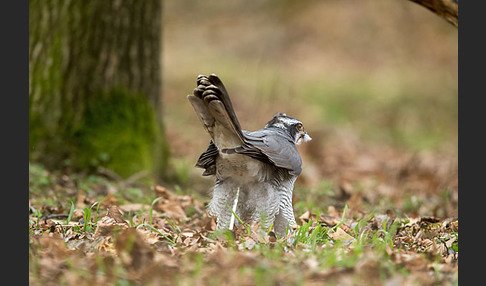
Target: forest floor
393,225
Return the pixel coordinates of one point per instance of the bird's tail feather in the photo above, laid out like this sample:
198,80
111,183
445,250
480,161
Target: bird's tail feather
213,106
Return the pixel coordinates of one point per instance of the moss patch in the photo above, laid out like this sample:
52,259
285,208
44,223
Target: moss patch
119,132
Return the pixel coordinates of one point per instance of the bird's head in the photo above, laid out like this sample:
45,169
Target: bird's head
293,126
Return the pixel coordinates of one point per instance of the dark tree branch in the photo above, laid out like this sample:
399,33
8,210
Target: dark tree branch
447,9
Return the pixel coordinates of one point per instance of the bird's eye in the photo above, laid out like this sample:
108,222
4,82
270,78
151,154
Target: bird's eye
299,126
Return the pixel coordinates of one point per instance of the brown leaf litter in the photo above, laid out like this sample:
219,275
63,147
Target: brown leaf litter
183,245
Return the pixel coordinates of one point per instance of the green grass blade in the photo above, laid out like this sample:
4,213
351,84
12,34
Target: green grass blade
342,217
248,230
174,226
152,209
70,215
157,231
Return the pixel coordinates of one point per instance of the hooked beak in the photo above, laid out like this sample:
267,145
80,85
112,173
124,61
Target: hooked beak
304,137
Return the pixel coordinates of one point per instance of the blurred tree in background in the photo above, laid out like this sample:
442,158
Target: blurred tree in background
94,85
447,9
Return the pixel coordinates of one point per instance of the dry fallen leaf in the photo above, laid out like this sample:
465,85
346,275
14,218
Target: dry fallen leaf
414,262
171,210
163,192
133,250
115,213
107,225
341,235
134,207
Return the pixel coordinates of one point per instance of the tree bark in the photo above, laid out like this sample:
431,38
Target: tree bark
80,51
447,9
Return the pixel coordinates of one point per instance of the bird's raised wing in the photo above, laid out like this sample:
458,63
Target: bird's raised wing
271,146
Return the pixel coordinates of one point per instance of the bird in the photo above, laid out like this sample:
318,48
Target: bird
255,171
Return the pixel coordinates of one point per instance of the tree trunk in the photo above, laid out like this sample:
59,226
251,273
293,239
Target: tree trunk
94,84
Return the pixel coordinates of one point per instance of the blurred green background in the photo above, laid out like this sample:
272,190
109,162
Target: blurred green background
375,83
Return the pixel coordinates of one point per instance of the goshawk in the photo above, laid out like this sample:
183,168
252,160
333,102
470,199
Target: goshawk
255,171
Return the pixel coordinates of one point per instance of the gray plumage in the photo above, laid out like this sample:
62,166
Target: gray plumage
260,166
